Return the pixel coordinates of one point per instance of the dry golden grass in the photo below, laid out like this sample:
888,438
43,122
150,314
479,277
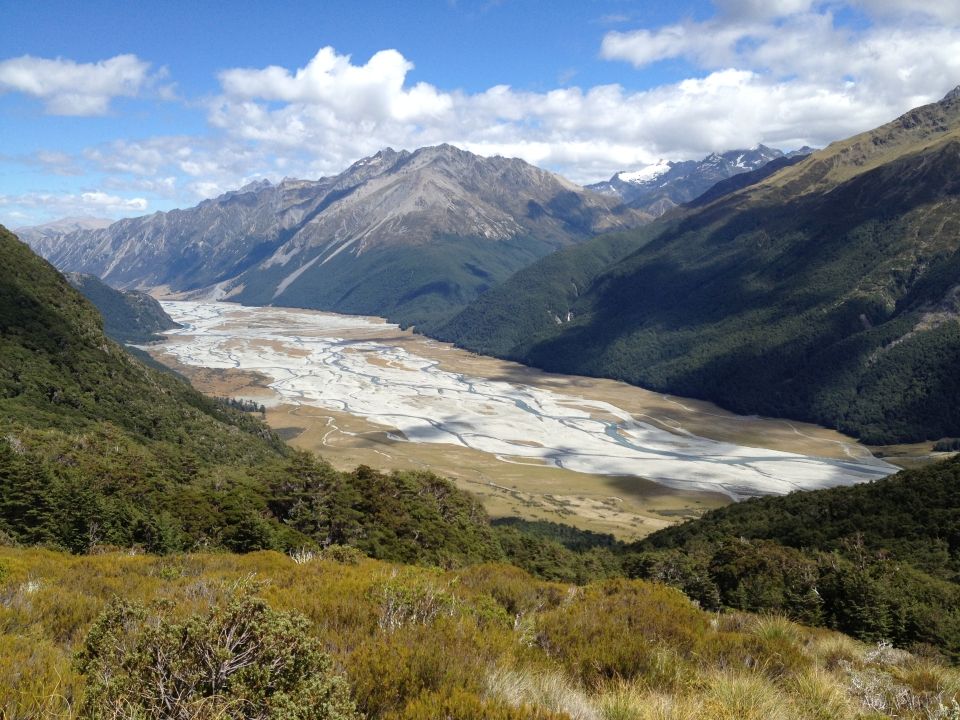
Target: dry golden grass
486,641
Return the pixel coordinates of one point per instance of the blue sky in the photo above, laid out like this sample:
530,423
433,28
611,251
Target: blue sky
119,108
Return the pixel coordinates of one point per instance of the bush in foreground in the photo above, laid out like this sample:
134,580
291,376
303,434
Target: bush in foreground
239,660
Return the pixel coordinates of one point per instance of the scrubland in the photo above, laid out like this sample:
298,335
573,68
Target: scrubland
487,641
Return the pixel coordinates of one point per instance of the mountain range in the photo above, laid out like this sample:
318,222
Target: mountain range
827,291
45,238
410,236
657,188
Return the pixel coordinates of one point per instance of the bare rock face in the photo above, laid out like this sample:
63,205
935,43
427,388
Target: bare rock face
452,221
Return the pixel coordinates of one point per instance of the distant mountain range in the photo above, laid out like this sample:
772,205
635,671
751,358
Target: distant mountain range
657,188
410,236
827,291
45,238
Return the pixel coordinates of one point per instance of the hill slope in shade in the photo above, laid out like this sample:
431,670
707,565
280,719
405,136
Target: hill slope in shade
410,236
826,292
129,316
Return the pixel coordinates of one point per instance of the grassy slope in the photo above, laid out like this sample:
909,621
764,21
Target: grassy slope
486,642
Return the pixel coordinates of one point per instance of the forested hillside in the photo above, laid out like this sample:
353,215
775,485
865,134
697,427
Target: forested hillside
507,320
97,449
826,292
128,315
877,560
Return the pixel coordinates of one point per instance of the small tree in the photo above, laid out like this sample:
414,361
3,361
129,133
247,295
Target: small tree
240,659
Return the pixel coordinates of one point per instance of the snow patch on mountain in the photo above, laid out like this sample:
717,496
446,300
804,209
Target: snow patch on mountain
646,174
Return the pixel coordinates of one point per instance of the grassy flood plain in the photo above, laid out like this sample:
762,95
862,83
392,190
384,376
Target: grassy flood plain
487,641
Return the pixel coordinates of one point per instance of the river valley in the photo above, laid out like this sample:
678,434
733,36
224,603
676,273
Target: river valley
594,453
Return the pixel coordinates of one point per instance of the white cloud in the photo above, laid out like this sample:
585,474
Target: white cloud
782,72
34,208
800,80
908,56
331,81
112,203
642,47
70,88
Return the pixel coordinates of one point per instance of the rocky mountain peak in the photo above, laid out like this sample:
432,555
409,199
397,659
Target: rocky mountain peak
663,185
951,97
378,238
255,185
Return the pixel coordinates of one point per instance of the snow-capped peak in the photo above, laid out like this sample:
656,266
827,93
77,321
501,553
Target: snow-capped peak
645,174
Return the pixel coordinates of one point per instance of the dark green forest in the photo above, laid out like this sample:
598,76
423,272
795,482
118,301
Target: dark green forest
129,316
879,560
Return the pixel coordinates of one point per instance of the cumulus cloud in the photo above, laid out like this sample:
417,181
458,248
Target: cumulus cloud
800,52
782,72
373,90
105,201
800,80
910,57
70,88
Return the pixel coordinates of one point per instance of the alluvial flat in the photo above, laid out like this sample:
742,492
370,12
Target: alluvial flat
366,368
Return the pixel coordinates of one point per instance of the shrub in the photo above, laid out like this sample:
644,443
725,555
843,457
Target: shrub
619,628
407,599
343,554
240,660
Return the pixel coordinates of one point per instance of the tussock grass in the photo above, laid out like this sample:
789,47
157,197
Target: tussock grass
818,696
546,689
743,696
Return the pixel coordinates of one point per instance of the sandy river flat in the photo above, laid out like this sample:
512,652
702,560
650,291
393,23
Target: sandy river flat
593,453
